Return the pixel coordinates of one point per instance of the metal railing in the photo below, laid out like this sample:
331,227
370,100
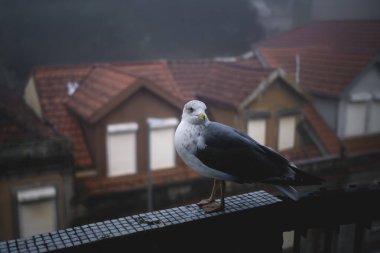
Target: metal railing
251,222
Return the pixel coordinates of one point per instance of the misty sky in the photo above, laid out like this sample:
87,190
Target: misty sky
43,32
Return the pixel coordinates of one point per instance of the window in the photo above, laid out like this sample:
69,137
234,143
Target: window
355,118
161,148
286,133
374,117
362,114
121,149
37,211
256,129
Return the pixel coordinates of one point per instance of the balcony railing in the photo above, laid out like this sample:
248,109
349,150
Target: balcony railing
251,222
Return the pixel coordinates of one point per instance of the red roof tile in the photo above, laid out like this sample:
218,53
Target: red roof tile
231,83
99,84
155,71
362,144
137,181
189,75
359,36
51,85
321,71
320,127
100,87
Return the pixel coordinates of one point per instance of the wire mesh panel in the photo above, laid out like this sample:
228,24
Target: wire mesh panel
66,239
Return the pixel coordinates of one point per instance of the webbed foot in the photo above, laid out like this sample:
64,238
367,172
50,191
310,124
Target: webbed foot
204,202
213,207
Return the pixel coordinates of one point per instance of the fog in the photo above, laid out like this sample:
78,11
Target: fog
45,32
65,32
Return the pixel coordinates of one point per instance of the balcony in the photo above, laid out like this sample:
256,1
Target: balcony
250,222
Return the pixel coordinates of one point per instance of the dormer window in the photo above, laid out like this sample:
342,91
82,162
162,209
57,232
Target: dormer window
286,132
256,129
287,122
362,114
121,149
257,126
161,143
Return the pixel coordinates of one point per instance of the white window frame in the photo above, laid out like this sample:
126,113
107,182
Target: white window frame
161,157
128,131
257,129
35,198
355,119
286,139
357,123
374,115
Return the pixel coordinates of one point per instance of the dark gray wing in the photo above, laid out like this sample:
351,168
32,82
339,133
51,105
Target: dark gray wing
237,154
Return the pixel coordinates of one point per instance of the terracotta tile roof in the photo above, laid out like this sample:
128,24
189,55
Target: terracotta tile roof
18,123
106,86
331,55
326,135
189,75
360,36
321,71
100,86
136,181
51,85
362,144
93,95
230,83
155,71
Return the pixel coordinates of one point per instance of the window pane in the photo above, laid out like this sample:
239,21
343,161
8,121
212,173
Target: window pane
374,118
162,154
286,135
121,152
37,217
257,129
355,119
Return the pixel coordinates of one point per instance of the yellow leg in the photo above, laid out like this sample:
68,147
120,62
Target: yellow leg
213,206
212,196
222,192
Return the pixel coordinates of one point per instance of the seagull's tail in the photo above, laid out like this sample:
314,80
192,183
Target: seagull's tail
303,178
288,191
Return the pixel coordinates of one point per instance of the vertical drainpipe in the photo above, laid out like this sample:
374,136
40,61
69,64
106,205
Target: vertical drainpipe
149,170
298,68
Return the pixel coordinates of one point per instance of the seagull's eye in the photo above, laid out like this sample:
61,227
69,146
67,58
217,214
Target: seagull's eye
190,109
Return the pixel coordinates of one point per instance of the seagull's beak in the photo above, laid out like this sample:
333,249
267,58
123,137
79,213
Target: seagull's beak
202,116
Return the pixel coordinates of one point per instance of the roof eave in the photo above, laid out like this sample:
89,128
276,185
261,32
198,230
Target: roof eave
128,92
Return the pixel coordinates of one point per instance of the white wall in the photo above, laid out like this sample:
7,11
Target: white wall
359,107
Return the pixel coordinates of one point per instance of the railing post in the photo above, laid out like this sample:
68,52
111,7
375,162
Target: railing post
328,234
358,238
297,241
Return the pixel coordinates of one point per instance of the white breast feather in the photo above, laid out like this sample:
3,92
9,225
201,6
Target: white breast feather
188,138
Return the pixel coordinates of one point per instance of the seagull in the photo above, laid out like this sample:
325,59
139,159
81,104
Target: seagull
223,153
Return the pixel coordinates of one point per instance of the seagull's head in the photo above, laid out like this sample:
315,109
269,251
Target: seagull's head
194,112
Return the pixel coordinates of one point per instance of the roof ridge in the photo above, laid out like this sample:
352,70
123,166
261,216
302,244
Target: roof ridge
173,81
128,73
203,81
86,76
